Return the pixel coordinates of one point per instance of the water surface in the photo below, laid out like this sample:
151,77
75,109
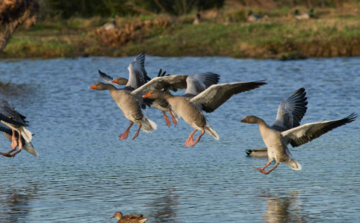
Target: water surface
85,174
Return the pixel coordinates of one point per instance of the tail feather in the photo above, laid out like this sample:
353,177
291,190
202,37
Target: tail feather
147,125
293,164
26,134
30,149
212,132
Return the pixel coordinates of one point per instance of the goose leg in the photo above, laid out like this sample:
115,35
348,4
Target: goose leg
263,168
166,119
172,117
266,173
137,132
13,145
190,140
13,155
198,138
20,143
126,133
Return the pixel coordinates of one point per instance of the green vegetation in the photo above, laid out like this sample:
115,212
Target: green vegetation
222,32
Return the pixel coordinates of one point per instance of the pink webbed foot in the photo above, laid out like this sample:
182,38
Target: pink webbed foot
126,133
166,119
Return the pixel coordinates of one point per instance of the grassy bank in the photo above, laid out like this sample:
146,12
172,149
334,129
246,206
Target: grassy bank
334,33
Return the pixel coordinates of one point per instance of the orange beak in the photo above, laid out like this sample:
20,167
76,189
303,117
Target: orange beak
146,95
92,87
114,81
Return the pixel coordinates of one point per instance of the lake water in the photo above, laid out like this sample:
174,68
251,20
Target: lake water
84,173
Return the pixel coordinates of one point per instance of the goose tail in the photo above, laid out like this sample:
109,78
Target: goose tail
212,132
147,125
293,164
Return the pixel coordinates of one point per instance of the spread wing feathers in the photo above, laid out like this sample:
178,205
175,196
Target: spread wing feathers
216,95
291,111
162,83
10,115
308,132
139,64
105,77
196,83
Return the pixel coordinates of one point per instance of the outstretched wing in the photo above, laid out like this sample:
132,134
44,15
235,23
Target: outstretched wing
291,111
162,83
196,83
216,95
106,77
10,115
308,132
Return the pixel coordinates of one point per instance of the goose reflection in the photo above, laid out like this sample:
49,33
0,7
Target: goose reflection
164,208
15,203
284,209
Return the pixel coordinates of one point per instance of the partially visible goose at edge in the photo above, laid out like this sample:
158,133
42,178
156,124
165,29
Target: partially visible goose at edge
208,101
289,115
131,218
13,138
16,122
276,141
131,104
193,83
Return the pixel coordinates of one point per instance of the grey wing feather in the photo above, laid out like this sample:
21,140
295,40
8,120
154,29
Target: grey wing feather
196,83
308,132
216,95
162,83
291,111
105,77
10,115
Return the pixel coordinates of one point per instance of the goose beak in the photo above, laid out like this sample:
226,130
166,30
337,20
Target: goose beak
92,87
114,81
146,95
244,120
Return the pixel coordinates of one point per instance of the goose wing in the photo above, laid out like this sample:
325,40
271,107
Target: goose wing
172,82
216,95
196,83
308,132
291,111
10,115
106,77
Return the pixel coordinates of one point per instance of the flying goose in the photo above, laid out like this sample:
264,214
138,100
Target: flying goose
15,121
276,141
129,103
13,138
289,115
208,101
131,218
193,83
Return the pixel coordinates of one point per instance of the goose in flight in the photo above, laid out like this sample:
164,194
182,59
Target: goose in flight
277,141
208,101
289,115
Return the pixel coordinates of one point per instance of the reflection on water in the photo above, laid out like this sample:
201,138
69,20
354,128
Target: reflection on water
163,209
15,202
284,209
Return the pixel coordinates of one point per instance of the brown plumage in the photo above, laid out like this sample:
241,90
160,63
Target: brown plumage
208,100
131,218
277,141
130,107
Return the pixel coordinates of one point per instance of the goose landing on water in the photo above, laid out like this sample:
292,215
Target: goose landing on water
277,141
289,115
208,101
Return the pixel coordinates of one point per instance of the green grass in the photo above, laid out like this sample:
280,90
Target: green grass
269,39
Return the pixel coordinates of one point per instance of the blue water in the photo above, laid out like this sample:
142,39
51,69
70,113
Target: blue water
85,174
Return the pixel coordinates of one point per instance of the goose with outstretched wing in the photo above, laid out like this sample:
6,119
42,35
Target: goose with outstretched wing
277,141
289,115
208,100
